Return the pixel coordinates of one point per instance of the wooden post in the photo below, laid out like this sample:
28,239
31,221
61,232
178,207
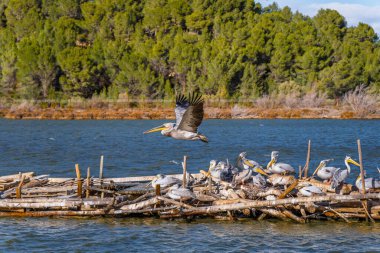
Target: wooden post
79,180
306,168
158,190
299,172
18,189
88,183
364,202
101,174
184,183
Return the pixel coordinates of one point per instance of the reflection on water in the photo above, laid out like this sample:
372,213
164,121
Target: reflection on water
53,147
106,234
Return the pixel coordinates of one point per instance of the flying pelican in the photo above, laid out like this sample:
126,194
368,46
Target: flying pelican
323,172
278,168
189,115
370,183
340,175
165,181
310,190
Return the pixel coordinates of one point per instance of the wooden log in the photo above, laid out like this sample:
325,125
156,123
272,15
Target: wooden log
158,190
16,176
272,212
88,183
141,204
184,165
79,180
18,189
278,202
57,189
292,216
174,202
129,179
52,213
306,168
364,202
146,210
101,173
57,203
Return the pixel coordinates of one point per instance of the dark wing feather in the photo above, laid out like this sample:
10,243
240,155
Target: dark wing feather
181,105
193,115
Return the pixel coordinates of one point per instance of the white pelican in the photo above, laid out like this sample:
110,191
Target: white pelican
278,168
310,190
220,171
370,183
178,193
277,179
259,181
340,175
323,172
165,181
189,115
248,167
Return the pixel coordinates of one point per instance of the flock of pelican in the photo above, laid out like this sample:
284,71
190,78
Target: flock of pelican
189,115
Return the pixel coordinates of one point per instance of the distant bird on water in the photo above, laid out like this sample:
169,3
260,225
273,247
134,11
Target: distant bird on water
189,115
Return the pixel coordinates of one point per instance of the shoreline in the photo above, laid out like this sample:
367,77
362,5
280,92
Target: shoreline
168,113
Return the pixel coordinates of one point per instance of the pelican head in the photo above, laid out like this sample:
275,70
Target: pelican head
212,165
164,128
322,164
242,154
274,155
348,159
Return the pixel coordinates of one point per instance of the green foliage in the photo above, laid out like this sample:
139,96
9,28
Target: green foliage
156,48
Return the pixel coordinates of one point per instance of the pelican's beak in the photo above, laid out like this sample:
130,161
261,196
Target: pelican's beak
204,173
156,129
259,170
353,162
247,162
316,170
270,163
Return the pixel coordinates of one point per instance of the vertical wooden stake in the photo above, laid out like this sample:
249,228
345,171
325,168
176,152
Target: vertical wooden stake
299,172
364,202
209,184
306,168
88,183
18,189
79,180
158,190
101,174
184,183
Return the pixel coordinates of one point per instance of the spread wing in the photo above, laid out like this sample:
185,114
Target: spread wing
181,105
189,112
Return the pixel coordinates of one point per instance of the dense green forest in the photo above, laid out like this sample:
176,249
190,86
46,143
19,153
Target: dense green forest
59,49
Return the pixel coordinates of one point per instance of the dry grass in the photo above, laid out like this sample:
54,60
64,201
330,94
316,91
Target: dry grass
238,112
361,101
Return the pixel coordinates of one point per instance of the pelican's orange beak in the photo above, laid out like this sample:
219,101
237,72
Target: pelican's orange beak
247,162
353,162
270,163
259,170
318,168
156,129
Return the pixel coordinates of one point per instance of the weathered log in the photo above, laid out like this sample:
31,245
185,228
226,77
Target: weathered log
174,202
58,203
292,216
272,212
272,203
141,204
52,213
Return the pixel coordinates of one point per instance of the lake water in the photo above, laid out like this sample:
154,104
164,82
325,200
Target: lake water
53,147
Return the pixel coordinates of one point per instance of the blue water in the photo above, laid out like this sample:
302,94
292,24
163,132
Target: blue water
53,147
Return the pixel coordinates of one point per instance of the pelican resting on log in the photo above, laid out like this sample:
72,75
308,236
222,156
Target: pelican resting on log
247,167
370,183
179,193
278,168
189,115
341,175
310,190
323,172
165,181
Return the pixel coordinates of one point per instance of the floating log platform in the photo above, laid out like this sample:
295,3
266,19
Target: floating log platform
30,195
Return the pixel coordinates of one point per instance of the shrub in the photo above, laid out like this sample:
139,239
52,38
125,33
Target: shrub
361,101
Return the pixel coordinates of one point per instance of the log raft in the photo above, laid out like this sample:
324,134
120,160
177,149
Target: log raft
28,195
